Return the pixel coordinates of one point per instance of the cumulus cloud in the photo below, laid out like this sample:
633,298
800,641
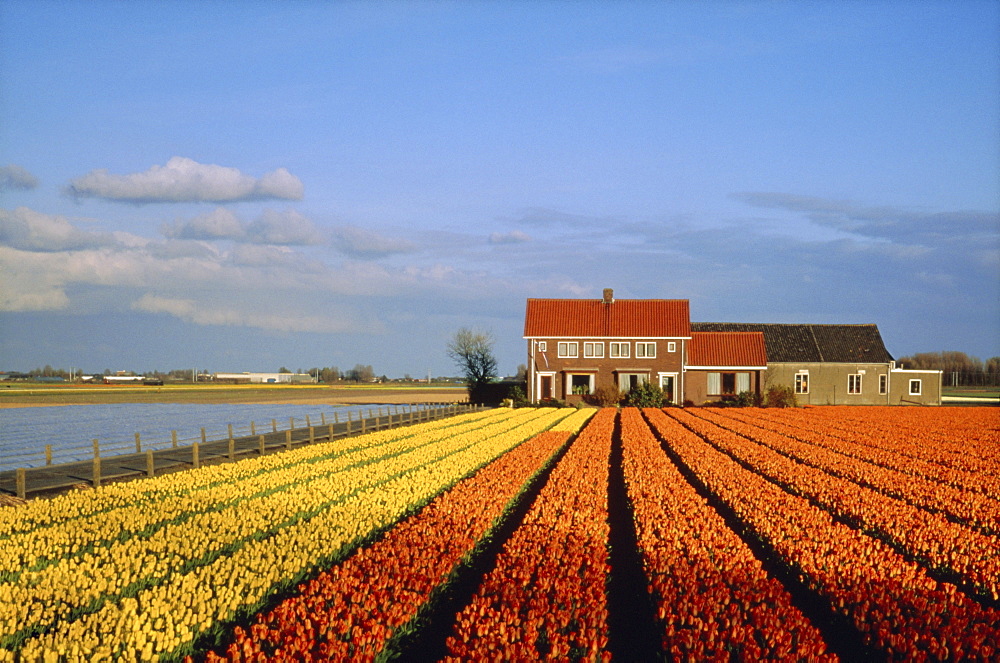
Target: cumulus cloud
28,230
289,228
513,237
368,245
186,180
16,177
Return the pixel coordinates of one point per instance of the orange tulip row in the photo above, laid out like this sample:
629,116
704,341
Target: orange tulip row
965,438
910,460
545,598
944,545
893,602
976,510
350,611
714,598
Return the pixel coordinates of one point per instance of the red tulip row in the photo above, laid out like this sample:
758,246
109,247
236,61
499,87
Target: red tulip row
714,598
890,600
545,598
927,536
974,509
350,611
965,438
912,462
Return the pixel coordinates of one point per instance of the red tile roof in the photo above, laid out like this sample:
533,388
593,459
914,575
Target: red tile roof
592,318
720,349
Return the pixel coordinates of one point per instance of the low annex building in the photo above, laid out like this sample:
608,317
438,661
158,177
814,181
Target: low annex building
579,346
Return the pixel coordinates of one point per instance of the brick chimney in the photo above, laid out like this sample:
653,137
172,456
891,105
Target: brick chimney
609,296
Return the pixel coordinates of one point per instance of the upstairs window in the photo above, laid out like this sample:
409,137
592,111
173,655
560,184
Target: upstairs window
854,383
915,387
672,346
620,350
647,350
542,346
569,349
593,349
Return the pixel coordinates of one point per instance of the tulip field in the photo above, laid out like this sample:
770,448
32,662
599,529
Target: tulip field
824,533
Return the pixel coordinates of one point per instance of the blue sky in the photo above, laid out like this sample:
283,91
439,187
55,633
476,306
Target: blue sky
243,186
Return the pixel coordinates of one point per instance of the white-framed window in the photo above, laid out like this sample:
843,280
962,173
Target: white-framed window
672,346
915,387
593,349
542,346
579,383
645,349
742,382
801,383
629,381
854,383
568,349
883,384
620,349
714,383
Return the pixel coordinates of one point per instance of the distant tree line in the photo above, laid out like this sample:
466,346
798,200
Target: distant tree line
959,369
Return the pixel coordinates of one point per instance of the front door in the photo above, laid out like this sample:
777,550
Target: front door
544,387
668,384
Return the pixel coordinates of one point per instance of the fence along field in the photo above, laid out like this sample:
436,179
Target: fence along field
756,533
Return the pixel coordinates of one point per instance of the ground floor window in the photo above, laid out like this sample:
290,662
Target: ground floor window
801,383
580,384
725,384
629,381
854,383
915,387
883,384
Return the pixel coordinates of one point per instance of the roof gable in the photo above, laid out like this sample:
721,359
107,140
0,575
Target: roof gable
593,318
727,348
813,343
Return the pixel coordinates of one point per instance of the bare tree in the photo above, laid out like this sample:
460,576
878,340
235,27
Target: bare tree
472,352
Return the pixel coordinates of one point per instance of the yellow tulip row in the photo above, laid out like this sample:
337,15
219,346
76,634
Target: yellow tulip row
73,506
575,422
319,516
191,493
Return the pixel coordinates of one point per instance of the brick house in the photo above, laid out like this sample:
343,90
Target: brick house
577,346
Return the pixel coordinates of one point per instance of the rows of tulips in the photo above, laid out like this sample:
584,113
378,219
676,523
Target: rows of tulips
941,544
966,438
910,459
898,608
545,597
350,611
119,561
152,595
714,599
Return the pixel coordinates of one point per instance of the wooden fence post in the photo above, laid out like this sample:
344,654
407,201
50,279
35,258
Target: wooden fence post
253,428
138,444
150,465
195,459
48,454
329,432
288,439
203,436
274,425
348,423
260,440
308,421
312,435
22,489
322,418
291,423
232,448
173,439
97,468
364,424
230,430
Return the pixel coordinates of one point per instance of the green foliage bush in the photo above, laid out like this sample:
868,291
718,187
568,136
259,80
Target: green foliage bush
606,396
779,395
646,394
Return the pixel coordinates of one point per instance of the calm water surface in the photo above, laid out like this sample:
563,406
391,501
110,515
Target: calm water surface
71,429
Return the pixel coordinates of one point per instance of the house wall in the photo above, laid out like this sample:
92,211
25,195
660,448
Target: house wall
696,384
900,388
828,382
605,370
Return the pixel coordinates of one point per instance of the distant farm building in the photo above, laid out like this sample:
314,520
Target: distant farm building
264,378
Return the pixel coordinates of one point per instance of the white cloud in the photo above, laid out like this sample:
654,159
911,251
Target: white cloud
513,237
15,177
26,229
287,228
186,180
367,245
220,223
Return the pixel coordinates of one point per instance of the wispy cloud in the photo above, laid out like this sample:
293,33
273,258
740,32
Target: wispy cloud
368,245
16,177
28,230
186,180
288,228
513,237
